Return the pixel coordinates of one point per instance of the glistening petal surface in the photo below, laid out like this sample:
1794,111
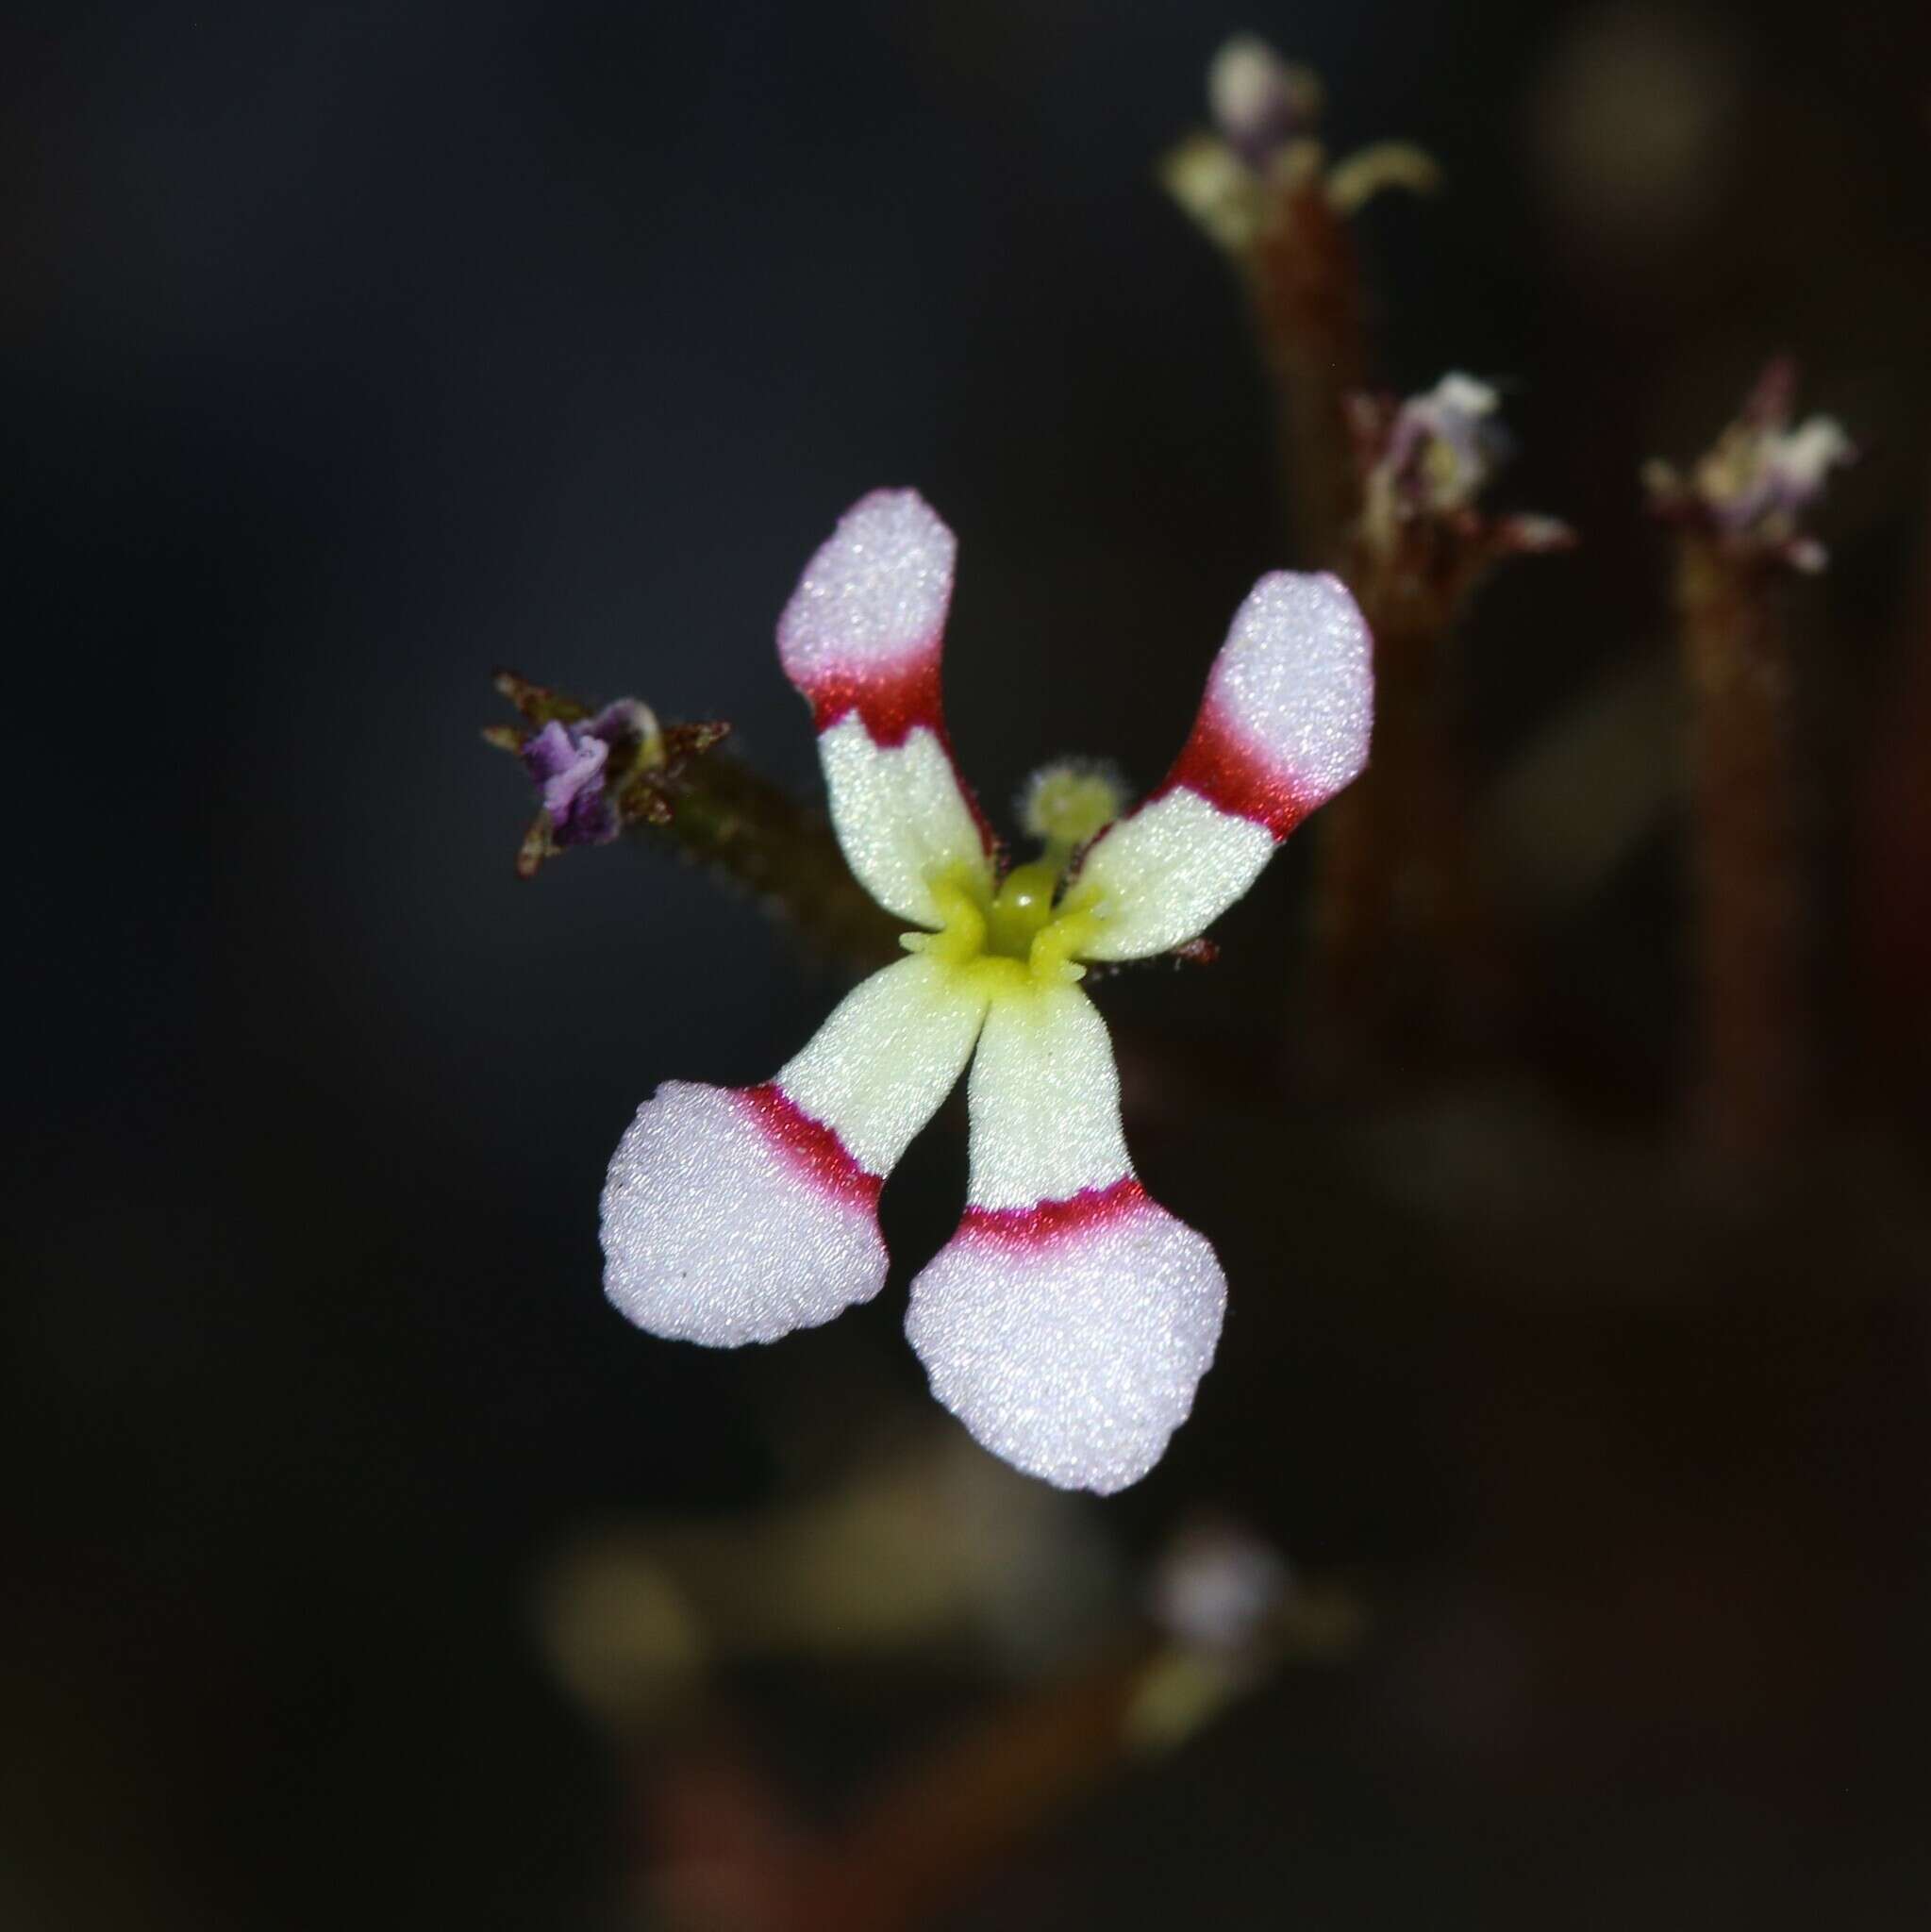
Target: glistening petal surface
735,1215
1283,726
862,639
879,1067
1069,1321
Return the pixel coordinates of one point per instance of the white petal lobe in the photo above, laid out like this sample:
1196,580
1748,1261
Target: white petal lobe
1069,1321
1075,1356
1296,680
714,1231
875,593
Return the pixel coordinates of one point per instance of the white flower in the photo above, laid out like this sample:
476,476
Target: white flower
1069,1321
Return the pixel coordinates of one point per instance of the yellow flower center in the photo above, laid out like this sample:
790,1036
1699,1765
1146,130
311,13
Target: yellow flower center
1009,940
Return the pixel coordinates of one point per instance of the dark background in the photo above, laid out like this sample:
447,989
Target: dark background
348,353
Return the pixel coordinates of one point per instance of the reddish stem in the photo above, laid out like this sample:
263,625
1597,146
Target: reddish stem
1751,1030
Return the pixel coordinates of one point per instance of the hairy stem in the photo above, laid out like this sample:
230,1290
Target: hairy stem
719,812
1407,963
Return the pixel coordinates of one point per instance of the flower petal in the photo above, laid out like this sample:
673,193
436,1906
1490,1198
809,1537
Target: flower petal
1283,726
878,1069
1069,1321
861,639
737,1214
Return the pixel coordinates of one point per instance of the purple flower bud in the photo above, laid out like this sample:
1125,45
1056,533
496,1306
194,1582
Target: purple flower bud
568,764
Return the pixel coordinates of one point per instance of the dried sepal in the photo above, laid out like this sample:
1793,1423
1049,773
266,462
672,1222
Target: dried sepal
539,702
1195,952
1356,179
536,847
651,794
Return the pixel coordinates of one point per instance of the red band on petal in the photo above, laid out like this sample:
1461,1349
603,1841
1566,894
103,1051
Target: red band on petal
811,1149
1232,776
1045,1221
890,699
892,703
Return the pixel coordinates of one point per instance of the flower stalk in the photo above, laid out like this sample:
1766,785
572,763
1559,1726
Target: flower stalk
1261,187
1411,959
1750,937
1738,525
679,789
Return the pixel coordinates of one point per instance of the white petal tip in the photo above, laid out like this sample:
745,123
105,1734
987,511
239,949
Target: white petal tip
1290,702
729,1217
1070,1338
873,596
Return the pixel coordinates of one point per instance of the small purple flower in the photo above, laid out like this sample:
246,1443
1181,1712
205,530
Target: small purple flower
568,763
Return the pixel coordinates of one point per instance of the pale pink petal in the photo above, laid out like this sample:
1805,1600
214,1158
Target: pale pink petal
1069,1321
862,639
1284,727
737,1214
729,1217
1071,1349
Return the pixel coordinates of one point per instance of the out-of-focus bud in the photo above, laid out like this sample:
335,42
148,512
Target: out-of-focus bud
1424,464
1215,1588
1764,474
1263,154
1260,102
1230,1610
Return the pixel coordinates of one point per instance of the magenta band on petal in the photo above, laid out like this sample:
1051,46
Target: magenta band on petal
1069,1338
1048,1221
811,1148
1222,764
892,700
